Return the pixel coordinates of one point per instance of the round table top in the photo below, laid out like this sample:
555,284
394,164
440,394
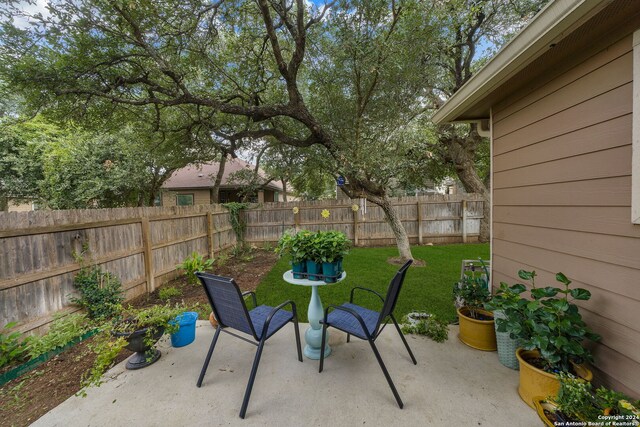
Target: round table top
288,277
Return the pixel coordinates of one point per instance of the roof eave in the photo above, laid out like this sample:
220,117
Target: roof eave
552,24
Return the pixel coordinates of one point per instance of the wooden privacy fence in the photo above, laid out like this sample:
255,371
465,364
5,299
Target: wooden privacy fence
427,219
141,246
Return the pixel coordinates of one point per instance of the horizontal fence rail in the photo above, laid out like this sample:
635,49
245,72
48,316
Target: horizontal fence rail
143,246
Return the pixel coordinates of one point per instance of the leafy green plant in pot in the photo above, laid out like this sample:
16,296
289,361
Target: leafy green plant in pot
577,404
292,244
504,298
334,245
136,330
311,244
551,332
477,328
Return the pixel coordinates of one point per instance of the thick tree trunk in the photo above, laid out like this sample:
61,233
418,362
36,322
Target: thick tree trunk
215,190
284,191
460,152
402,240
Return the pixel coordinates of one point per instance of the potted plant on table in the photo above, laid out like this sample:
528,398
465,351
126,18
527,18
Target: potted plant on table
334,245
136,330
293,244
476,324
551,333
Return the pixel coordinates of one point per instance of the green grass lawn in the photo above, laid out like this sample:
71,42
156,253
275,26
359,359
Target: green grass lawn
425,288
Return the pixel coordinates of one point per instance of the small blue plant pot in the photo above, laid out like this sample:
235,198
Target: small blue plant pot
314,269
298,268
187,332
330,272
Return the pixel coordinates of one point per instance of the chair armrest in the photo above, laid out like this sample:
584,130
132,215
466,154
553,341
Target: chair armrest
365,289
253,297
351,312
265,328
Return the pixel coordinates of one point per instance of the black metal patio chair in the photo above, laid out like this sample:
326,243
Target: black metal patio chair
368,324
230,309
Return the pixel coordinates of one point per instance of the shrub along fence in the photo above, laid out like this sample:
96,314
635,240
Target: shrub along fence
142,246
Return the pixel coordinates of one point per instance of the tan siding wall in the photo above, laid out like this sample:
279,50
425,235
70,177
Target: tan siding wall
20,207
200,197
562,197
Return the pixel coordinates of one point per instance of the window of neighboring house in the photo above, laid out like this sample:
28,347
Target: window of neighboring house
253,198
184,199
635,161
158,200
223,197
276,196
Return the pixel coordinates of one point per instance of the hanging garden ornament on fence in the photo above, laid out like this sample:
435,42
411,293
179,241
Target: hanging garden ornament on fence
325,213
295,210
354,208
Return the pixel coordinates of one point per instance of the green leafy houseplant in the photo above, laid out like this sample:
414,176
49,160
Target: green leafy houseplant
550,323
293,245
192,264
473,293
332,245
576,402
113,336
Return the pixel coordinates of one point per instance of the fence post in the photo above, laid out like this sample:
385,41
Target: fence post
464,221
419,222
355,228
148,254
210,235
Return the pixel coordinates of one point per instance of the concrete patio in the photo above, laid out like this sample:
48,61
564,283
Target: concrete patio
452,385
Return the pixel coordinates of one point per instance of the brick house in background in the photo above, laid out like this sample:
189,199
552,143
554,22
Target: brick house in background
193,185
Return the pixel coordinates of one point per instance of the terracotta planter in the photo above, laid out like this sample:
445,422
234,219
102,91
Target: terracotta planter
536,382
479,334
213,320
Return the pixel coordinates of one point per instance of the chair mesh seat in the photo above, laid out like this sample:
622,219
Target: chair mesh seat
259,315
348,323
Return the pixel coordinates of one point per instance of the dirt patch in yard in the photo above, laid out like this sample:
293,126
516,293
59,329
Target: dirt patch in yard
27,398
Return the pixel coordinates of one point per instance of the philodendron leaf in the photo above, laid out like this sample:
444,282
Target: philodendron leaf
562,279
581,294
526,275
544,292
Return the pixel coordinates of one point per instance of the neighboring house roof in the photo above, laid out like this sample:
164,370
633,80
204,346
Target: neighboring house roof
546,30
204,175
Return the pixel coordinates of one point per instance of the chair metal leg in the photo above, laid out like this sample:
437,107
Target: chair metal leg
252,377
404,340
295,326
348,336
386,374
208,359
322,345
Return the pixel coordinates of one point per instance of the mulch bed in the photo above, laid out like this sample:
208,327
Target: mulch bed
27,398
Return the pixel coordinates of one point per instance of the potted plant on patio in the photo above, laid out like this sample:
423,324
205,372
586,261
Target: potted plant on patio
311,244
505,297
551,332
334,245
292,244
476,324
577,404
136,330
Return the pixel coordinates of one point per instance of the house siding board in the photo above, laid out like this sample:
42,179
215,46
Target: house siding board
600,136
562,194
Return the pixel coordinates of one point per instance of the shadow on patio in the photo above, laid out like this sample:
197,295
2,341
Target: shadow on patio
451,385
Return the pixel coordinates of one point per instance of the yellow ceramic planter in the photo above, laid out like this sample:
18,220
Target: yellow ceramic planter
479,334
535,382
540,404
